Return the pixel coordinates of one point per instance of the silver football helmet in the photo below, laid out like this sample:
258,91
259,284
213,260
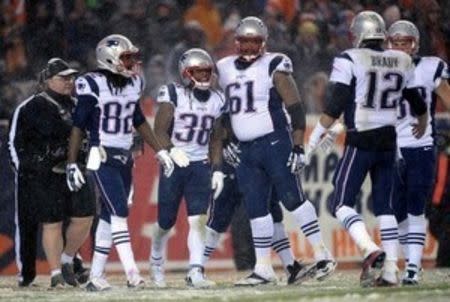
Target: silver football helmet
405,31
367,25
117,54
196,68
251,29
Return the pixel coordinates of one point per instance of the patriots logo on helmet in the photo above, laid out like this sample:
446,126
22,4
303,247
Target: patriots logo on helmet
110,43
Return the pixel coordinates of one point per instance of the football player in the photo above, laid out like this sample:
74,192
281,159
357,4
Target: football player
188,122
261,93
368,82
108,106
222,210
415,177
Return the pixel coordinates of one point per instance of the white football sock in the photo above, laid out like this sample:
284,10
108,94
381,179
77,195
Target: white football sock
280,244
352,221
389,236
103,243
262,233
211,241
159,243
306,217
196,244
121,239
417,226
66,258
403,238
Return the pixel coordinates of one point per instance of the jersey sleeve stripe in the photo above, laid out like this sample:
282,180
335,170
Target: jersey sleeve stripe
439,70
172,94
345,56
274,63
93,85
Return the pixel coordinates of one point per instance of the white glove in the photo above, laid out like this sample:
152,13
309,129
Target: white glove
97,156
328,141
179,157
297,159
74,177
231,154
217,183
166,162
130,197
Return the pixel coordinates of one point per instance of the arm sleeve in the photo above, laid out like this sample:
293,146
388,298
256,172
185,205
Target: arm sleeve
87,101
138,116
341,94
412,95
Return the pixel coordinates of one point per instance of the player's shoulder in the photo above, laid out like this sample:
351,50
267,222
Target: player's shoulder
429,61
226,61
90,83
169,93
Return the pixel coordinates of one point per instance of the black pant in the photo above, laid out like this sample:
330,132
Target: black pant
27,226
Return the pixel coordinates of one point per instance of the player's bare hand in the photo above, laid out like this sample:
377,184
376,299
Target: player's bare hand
418,130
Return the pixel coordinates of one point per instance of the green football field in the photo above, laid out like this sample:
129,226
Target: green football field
342,286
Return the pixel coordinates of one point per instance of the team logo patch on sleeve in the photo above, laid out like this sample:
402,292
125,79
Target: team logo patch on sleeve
81,86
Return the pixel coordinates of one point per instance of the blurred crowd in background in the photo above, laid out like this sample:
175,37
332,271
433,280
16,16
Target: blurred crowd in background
310,32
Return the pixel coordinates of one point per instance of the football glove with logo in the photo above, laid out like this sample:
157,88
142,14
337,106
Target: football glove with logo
74,177
296,160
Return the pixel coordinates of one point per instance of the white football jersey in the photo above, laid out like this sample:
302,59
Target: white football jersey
378,78
193,119
429,73
255,106
115,115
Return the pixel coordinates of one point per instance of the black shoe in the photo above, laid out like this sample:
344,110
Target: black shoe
81,273
26,283
68,274
299,272
374,261
57,281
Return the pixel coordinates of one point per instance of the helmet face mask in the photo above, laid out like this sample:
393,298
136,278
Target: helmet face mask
367,25
250,38
196,68
404,35
117,54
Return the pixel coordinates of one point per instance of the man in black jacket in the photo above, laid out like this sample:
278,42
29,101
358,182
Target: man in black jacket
38,139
